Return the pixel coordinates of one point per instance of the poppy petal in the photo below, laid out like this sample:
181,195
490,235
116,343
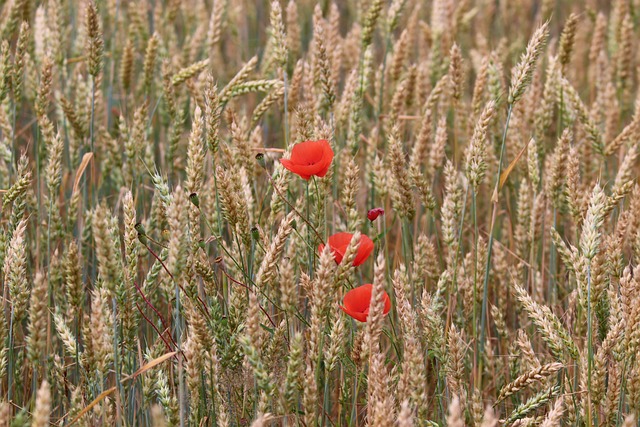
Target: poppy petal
358,299
340,240
338,244
305,170
361,317
310,158
289,165
307,153
364,250
326,160
337,255
356,302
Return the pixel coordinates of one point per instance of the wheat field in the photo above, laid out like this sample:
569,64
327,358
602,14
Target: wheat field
319,213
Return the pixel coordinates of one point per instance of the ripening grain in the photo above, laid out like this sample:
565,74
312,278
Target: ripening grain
319,213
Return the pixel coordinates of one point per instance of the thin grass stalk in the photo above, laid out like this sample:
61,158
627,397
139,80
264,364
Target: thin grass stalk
589,346
36,148
332,125
552,247
387,46
324,204
326,404
76,333
178,340
532,248
361,81
286,108
317,374
225,291
407,249
385,248
13,139
485,285
309,245
240,250
623,386
354,402
113,64
51,300
116,364
11,356
92,175
475,266
552,260
252,251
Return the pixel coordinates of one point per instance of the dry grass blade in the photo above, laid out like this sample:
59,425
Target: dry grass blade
86,159
505,174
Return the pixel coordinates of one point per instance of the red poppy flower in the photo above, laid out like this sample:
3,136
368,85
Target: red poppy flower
374,213
356,302
309,158
339,243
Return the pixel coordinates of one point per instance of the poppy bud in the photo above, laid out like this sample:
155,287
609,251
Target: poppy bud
374,213
260,159
139,228
201,243
142,235
142,238
194,199
255,234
